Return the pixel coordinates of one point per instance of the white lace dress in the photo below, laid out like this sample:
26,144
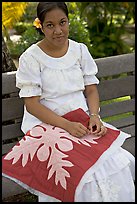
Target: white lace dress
60,83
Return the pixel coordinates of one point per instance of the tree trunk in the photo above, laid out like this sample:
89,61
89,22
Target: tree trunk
7,62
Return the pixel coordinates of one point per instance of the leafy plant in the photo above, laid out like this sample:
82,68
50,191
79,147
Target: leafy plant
102,26
21,27
29,37
107,23
78,30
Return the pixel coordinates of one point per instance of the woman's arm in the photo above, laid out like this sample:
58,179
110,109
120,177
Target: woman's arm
92,96
93,102
43,113
34,107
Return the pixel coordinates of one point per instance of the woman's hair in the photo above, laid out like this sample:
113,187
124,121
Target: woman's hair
44,7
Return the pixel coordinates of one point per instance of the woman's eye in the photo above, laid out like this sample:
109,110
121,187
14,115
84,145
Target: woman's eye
63,22
50,25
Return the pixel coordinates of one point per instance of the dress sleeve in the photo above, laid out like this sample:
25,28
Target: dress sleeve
28,78
88,65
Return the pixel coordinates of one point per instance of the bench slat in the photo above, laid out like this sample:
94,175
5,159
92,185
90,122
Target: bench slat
115,88
114,65
11,131
130,129
12,108
10,188
7,147
123,122
129,145
116,108
8,82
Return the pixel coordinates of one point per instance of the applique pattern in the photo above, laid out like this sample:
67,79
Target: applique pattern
52,144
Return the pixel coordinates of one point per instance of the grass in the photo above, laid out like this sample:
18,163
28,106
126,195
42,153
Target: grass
117,117
115,100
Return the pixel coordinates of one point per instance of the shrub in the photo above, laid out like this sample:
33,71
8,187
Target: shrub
78,30
21,27
29,37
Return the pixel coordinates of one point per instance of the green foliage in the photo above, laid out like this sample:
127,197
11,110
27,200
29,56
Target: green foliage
102,26
107,23
29,37
78,30
30,12
78,27
105,44
21,27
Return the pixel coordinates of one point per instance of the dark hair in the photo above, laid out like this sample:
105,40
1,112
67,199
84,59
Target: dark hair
44,7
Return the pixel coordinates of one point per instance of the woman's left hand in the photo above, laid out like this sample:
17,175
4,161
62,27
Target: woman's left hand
96,127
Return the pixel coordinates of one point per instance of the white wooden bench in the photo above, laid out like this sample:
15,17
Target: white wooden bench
117,79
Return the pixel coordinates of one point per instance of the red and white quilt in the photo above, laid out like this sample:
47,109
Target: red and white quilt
50,160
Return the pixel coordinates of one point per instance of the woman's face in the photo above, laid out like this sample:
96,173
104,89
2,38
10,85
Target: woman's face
56,27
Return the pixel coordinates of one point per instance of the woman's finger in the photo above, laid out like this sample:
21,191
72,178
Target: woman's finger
102,131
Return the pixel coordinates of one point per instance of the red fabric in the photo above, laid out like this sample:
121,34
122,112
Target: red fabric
60,160
78,116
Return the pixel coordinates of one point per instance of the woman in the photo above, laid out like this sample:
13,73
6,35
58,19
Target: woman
56,77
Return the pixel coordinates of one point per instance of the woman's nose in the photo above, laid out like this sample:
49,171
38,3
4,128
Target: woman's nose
57,30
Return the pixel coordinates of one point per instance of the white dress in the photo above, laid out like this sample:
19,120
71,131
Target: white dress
60,83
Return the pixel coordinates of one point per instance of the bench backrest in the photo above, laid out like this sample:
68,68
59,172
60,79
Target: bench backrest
12,112
117,80
112,85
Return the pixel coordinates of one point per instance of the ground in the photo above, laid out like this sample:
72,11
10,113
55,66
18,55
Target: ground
24,197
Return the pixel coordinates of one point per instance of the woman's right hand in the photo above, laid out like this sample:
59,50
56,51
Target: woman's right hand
76,129
37,109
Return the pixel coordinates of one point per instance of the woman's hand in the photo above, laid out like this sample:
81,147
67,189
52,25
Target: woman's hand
76,129
96,127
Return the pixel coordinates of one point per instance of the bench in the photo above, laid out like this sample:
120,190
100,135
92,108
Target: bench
117,80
